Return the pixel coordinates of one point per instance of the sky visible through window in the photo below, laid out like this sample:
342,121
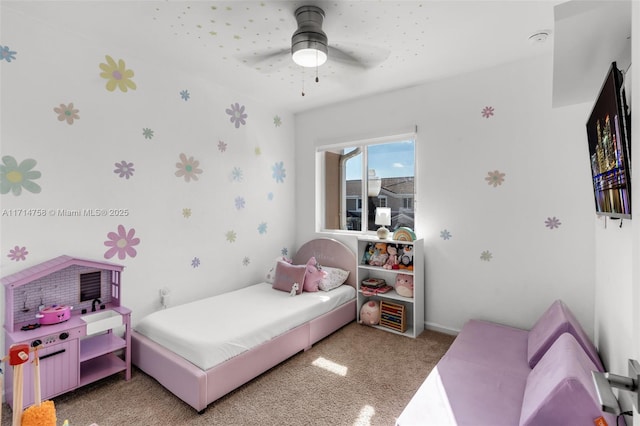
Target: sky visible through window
394,159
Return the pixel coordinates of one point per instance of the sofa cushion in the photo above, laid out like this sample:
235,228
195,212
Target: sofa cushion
560,390
484,373
556,320
479,394
492,344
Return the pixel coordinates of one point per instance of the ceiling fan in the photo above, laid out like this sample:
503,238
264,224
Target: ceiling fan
310,47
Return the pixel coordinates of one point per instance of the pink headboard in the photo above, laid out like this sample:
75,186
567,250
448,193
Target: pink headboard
328,252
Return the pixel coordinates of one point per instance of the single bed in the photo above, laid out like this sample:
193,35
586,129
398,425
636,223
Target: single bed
200,362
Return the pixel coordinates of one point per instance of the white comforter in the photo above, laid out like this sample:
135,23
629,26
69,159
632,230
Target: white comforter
210,331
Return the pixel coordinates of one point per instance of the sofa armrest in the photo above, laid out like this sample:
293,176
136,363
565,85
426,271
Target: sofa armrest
560,390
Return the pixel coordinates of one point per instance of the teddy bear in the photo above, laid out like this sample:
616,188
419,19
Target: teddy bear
380,255
392,261
370,313
404,285
406,258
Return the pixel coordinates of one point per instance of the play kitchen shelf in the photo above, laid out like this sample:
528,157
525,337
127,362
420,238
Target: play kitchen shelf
398,313
49,306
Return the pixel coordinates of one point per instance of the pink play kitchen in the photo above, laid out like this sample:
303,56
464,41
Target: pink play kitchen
69,308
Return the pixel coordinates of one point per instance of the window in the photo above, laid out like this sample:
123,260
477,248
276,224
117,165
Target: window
90,285
358,177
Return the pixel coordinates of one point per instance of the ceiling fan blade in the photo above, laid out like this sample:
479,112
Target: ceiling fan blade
359,56
269,60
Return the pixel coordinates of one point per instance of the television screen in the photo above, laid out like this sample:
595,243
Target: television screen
609,148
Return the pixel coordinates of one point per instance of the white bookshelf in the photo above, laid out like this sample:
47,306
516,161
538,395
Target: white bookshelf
413,306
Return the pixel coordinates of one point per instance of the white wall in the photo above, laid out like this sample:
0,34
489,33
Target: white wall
543,153
617,270
77,162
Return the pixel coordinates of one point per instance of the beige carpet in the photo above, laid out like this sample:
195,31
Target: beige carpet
374,376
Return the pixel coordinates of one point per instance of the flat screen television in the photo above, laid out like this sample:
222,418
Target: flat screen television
609,135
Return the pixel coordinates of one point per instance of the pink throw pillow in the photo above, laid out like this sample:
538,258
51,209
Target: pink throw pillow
287,275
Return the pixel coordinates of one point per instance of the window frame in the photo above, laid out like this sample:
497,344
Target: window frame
320,150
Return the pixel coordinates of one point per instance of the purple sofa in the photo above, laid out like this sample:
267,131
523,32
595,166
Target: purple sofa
498,375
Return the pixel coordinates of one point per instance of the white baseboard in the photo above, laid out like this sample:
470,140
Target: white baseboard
440,328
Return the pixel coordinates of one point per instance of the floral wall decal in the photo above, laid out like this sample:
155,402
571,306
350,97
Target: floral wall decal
195,262
231,236
262,228
445,235
14,176
121,243
237,114
147,133
124,169
487,111
236,174
117,75
7,54
222,146
486,256
279,172
67,112
185,95
257,150
186,213
18,253
246,261
495,178
270,196
284,251
277,121
188,168
240,203
552,222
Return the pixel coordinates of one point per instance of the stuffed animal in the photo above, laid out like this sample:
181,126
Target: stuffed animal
370,313
380,255
404,285
313,275
368,252
392,261
294,289
406,258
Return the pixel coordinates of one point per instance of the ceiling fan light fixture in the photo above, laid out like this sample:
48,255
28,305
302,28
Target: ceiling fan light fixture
309,42
310,57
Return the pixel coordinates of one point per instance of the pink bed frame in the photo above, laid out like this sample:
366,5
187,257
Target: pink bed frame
199,388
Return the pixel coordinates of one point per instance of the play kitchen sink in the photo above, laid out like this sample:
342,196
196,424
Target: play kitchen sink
102,321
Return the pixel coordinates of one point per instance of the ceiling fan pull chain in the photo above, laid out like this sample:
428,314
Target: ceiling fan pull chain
302,81
317,80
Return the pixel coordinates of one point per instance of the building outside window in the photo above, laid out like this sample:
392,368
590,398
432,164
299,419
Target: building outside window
382,173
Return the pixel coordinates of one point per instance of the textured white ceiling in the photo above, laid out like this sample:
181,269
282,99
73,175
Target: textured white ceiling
403,42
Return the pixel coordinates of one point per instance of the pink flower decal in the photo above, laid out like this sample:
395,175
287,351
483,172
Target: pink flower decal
188,168
487,111
121,243
18,253
495,178
67,112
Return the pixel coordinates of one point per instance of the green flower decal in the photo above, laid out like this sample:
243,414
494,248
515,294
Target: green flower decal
14,177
